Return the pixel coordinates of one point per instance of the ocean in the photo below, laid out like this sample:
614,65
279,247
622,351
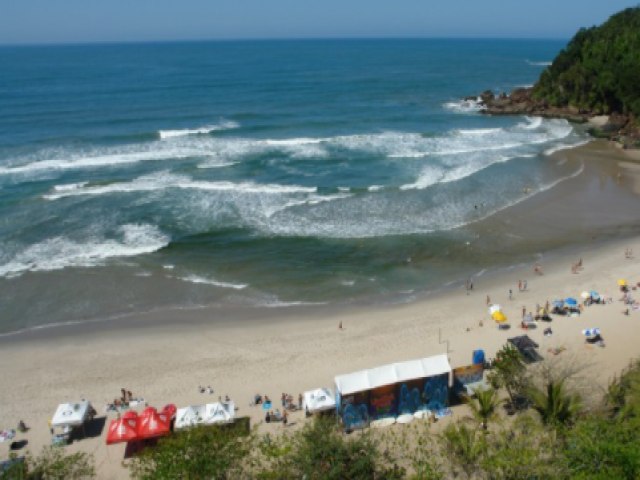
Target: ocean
258,173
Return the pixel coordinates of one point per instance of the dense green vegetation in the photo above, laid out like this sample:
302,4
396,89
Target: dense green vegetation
599,70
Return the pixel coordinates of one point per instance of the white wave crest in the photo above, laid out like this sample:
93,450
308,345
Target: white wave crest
59,252
165,180
480,131
210,281
226,125
539,64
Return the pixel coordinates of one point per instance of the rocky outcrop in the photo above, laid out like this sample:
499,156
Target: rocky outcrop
618,127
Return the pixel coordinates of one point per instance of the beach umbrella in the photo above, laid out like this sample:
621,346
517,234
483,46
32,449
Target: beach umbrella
591,332
122,430
572,302
558,303
622,283
153,424
494,308
499,317
595,295
585,295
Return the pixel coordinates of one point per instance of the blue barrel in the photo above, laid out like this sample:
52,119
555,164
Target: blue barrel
478,357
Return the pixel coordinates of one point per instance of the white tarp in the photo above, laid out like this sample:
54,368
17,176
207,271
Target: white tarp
189,416
319,400
392,373
219,412
71,414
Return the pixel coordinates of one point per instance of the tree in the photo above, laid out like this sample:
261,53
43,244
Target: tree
321,451
523,450
54,464
484,405
598,69
196,453
554,404
465,448
510,372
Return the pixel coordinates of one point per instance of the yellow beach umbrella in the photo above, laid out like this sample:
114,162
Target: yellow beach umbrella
622,282
499,317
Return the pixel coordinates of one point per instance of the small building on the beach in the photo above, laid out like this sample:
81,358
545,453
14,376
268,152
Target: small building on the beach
393,390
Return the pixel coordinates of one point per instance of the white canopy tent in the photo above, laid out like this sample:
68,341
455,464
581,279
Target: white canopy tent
190,416
204,414
71,414
319,400
219,412
392,373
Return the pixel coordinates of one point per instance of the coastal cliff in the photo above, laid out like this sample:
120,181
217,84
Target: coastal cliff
596,74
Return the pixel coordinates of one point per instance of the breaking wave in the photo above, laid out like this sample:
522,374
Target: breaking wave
61,252
210,281
227,125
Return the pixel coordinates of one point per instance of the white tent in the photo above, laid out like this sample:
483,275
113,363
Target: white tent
71,414
392,373
319,400
189,416
219,412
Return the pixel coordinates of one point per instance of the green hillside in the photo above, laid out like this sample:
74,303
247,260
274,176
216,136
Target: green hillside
599,70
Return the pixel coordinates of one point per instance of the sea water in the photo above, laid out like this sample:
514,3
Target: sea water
266,173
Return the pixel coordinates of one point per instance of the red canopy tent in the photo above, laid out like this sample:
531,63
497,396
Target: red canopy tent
123,429
152,424
170,410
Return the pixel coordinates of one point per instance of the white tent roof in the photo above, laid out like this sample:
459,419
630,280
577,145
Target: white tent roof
71,414
319,400
392,373
219,412
189,416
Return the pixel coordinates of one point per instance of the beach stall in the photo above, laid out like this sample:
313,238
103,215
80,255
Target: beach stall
123,429
70,417
219,412
393,390
526,347
152,424
318,400
190,416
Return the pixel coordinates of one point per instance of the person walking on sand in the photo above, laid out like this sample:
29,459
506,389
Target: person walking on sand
519,285
340,325
488,300
524,311
510,294
537,269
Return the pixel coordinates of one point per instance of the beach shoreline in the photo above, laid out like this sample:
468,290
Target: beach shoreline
165,355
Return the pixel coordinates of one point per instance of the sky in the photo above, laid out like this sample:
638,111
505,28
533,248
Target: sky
86,21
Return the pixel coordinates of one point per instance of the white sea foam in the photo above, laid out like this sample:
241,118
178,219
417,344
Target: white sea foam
62,252
226,125
539,64
69,187
465,106
564,146
210,281
532,123
480,131
165,180
375,188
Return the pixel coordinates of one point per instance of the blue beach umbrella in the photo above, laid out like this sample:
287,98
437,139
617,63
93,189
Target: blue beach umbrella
558,303
571,301
595,295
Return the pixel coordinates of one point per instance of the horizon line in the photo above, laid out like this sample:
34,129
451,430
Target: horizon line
276,39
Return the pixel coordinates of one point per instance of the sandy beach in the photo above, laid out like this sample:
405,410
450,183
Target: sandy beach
164,356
